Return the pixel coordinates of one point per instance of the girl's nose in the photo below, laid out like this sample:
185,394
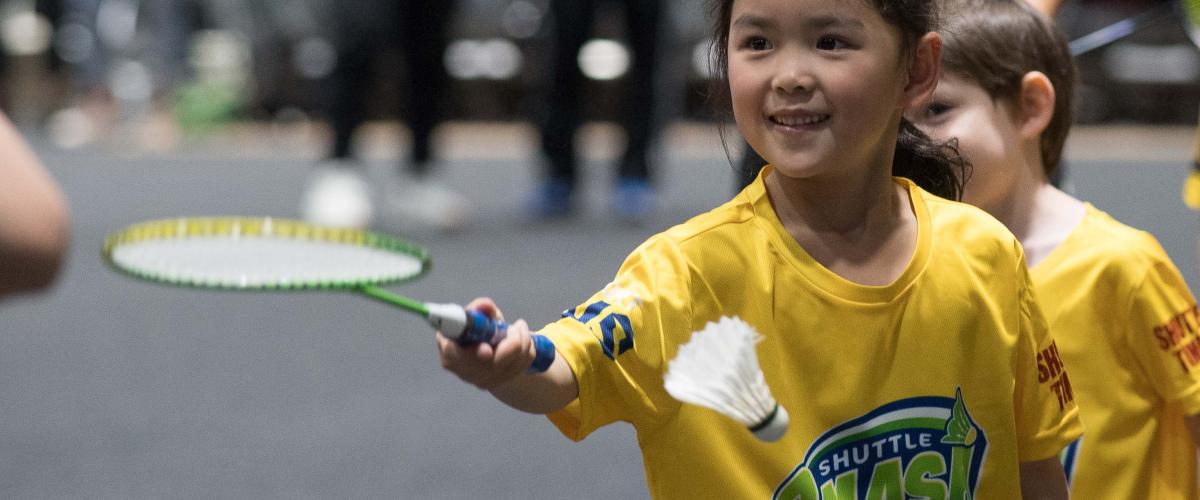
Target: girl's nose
794,81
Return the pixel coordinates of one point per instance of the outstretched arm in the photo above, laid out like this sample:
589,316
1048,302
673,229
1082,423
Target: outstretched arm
34,223
1043,480
501,369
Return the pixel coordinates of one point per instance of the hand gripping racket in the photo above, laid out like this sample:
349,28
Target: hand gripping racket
266,254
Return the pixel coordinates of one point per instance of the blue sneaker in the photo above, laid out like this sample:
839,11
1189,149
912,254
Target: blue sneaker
634,200
552,200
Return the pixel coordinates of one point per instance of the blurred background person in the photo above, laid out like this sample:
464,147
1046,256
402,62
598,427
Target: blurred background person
85,48
34,224
634,197
121,61
338,193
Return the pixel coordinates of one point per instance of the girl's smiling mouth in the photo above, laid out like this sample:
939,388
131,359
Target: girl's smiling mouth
797,119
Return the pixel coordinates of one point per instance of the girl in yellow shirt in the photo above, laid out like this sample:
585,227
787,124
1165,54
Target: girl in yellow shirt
900,329
1124,320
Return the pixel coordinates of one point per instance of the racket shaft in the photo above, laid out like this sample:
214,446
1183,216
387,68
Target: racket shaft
473,327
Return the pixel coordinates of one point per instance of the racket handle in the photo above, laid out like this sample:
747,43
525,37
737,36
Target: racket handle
473,327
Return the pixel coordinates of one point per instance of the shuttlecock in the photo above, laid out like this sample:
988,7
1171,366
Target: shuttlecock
718,369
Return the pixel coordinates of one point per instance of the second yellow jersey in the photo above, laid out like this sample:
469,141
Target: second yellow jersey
937,385
1128,327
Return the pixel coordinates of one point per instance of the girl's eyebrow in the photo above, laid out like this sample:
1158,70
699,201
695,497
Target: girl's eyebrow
752,21
833,21
819,22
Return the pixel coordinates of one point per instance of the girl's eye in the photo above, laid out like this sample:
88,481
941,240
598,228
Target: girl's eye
758,43
936,109
829,42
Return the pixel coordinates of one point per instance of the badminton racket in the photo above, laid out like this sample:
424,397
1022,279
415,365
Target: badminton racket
276,255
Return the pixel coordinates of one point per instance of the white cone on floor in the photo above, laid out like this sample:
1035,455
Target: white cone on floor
413,203
718,369
337,195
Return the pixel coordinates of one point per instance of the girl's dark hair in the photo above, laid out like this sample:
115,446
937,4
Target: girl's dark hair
936,167
995,43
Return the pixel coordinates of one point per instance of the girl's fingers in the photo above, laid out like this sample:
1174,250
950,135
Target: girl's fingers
512,355
464,359
486,306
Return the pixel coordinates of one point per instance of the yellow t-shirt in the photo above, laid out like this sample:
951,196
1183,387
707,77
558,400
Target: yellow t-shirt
873,376
1127,326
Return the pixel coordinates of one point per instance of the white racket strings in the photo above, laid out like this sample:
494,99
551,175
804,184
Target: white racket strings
261,253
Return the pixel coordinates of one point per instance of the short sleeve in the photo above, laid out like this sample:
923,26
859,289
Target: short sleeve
1164,334
614,342
1046,415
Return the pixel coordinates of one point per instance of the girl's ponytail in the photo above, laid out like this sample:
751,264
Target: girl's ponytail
936,167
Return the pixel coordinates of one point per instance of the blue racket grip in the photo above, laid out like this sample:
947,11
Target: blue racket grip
481,328
473,327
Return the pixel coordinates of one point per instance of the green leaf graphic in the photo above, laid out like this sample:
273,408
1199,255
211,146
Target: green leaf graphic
960,429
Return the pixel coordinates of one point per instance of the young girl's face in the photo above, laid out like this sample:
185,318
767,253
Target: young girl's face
817,85
987,132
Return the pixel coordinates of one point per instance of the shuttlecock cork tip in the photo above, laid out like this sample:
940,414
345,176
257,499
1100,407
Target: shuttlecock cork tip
774,427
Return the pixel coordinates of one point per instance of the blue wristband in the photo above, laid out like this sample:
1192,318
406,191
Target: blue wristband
545,354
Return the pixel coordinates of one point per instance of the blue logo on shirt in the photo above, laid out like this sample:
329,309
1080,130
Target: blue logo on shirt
925,447
611,327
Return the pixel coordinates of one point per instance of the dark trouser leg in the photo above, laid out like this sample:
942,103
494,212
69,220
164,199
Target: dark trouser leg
53,11
349,83
424,37
639,114
572,26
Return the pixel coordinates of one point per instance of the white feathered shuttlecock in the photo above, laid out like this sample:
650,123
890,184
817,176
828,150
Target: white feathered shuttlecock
718,369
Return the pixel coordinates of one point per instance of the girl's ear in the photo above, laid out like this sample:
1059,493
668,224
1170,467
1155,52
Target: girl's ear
923,70
1035,104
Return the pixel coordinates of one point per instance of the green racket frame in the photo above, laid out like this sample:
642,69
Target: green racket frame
253,227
